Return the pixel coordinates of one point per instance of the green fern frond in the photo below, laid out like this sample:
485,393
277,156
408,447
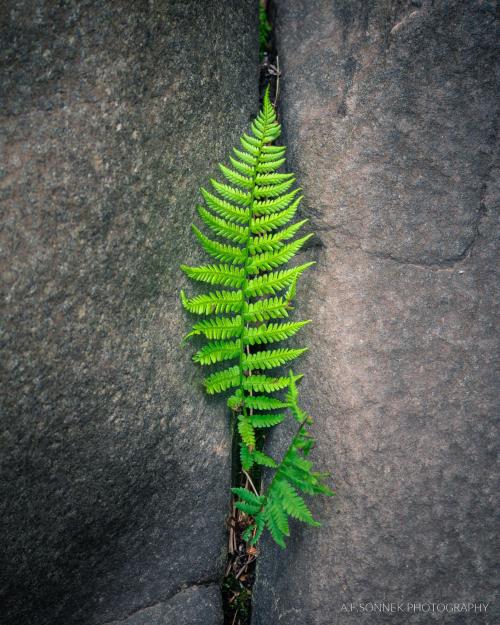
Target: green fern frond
267,179
222,380
266,420
264,460
279,516
263,402
270,260
236,178
271,358
266,207
225,275
272,332
218,351
248,496
275,531
270,283
293,503
249,159
250,147
220,251
268,223
223,228
246,457
246,430
226,209
270,163
268,242
216,302
233,194
260,524
248,508
272,190
264,383
252,217
272,149
217,328
243,168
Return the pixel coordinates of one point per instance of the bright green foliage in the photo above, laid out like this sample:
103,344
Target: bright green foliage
251,215
294,473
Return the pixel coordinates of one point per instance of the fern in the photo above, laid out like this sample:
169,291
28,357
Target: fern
251,215
294,473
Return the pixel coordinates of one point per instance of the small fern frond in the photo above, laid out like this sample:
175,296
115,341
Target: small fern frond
217,328
247,508
249,159
272,190
248,146
232,194
223,228
236,178
271,358
247,433
220,251
264,460
225,275
263,402
268,242
267,179
216,302
264,309
248,496
270,260
293,503
246,457
268,223
274,530
272,332
269,164
264,383
226,209
222,380
266,207
270,283
243,168
217,351
252,216
266,420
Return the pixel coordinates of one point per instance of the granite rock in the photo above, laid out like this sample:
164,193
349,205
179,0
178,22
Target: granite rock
114,467
389,112
197,605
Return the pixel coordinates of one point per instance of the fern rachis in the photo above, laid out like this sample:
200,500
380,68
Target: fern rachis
251,216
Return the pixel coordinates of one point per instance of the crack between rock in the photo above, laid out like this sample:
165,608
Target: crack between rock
203,583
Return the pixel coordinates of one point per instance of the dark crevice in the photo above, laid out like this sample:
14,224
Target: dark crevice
239,575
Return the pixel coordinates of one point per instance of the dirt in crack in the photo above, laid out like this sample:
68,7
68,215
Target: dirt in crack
240,570
239,576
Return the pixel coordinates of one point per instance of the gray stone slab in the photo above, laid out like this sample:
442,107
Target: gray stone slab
198,605
114,467
389,113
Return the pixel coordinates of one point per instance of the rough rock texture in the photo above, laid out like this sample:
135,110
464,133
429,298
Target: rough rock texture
389,113
198,605
114,469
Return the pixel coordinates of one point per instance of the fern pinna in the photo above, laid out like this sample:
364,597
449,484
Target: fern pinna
254,214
